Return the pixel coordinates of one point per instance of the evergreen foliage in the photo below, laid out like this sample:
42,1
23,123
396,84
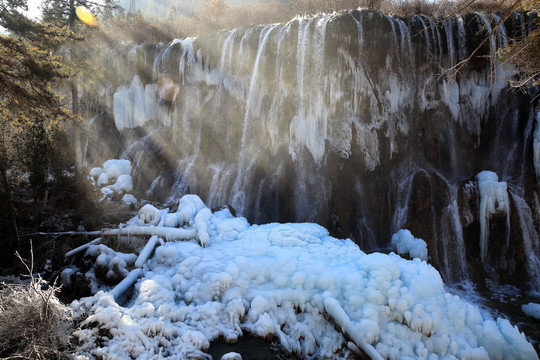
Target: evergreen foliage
32,111
28,69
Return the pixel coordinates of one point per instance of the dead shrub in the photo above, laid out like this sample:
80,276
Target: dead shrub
34,324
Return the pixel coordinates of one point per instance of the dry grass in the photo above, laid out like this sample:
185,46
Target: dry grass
34,324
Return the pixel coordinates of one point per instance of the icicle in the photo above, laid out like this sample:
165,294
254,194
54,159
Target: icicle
493,200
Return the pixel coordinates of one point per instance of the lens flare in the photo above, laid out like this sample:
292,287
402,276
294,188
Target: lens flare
85,16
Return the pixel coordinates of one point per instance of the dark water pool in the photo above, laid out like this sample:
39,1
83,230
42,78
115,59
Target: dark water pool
250,347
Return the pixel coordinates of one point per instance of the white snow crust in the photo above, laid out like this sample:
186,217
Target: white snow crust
405,243
285,281
493,200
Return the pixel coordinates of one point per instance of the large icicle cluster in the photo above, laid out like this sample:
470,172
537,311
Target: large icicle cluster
283,281
493,200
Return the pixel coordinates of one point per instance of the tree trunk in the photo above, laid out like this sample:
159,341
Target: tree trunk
13,245
75,97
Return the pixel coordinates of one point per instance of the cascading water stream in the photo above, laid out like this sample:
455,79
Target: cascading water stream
238,189
531,241
462,51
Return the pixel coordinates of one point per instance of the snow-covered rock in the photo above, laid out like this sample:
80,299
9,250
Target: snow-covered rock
113,177
405,243
532,310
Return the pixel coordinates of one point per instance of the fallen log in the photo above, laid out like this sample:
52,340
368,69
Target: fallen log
82,248
121,289
144,255
169,234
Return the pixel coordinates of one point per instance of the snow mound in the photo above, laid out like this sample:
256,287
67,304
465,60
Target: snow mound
531,309
114,178
286,281
129,199
405,243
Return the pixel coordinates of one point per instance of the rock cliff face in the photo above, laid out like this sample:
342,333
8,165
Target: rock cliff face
347,120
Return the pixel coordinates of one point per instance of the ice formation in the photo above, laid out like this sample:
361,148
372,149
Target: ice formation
136,104
283,281
531,309
114,177
405,243
129,199
493,200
